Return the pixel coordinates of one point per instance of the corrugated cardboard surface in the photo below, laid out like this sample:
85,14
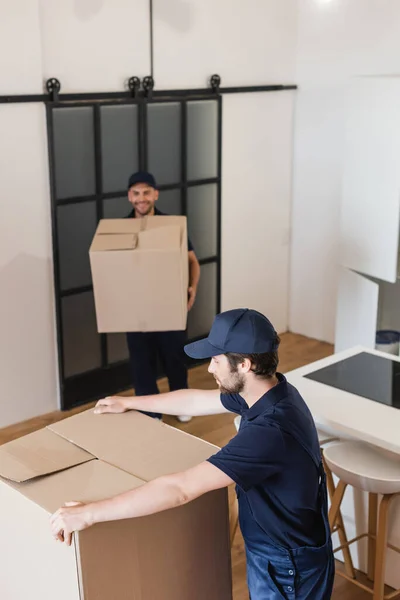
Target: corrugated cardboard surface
131,442
38,453
91,481
145,447
180,554
123,241
140,274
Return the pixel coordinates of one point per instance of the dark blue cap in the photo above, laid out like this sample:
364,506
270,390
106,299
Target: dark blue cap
241,330
142,177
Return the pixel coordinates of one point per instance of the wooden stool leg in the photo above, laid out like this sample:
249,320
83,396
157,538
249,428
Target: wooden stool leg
381,542
336,502
372,519
330,484
348,561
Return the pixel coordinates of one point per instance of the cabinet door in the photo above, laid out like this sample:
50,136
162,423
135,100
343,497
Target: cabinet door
371,183
357,311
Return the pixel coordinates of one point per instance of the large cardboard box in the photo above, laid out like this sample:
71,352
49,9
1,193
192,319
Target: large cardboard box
140,274
180,554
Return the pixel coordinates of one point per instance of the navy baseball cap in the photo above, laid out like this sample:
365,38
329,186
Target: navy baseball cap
241,330
142,177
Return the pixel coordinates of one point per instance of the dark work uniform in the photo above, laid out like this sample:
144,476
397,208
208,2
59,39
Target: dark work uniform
275,460
146,347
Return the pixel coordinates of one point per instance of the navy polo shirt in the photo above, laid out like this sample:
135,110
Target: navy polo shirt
160,214
277,480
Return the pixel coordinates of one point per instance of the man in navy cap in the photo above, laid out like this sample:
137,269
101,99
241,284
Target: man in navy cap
145,348
274,460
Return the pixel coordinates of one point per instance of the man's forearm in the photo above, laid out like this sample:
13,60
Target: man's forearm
194,273
193,403
153,497
156,496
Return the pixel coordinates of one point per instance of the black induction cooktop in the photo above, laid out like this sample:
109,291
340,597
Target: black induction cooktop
366,375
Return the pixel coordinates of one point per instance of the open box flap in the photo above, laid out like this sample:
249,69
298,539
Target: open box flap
144,447
38,454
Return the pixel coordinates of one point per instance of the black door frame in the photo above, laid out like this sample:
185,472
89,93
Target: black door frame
135,94
110,379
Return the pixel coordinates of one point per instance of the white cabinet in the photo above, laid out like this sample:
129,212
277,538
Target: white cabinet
371,182
357,311
364,306
369,288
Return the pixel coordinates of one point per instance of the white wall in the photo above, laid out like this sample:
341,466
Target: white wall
20,55
256,203
28,374
246,43
337,40
95,45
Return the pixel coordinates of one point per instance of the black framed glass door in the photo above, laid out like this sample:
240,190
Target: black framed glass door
93,148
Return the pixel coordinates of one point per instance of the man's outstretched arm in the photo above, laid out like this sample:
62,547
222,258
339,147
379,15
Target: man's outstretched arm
193,403
156,496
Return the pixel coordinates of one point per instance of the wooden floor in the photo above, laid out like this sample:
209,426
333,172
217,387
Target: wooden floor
295,351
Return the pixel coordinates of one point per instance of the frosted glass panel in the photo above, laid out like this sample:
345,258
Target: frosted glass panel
202,139
119,145
169,202
164,142
116,208
117,348
202,219
82,351
204,310
74,152
76,225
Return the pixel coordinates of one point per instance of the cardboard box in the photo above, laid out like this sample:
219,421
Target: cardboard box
140,274
180,554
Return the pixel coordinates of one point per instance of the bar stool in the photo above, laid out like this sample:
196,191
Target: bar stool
324,440
367,469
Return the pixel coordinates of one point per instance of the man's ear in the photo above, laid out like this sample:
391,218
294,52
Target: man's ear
245,366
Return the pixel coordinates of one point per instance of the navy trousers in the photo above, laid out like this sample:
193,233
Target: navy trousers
145,349
300,574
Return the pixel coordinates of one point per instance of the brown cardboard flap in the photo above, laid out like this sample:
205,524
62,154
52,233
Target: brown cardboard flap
117,226
117,241
136,443
88,482
164,238
37,454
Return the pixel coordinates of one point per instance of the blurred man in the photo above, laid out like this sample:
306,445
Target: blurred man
146,348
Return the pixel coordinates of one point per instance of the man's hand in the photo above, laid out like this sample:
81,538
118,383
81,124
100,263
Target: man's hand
192,297
112,404
74,516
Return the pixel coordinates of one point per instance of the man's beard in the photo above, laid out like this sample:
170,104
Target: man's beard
146,212
235,385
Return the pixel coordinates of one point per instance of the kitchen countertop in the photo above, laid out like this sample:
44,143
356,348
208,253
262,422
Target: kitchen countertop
348,414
